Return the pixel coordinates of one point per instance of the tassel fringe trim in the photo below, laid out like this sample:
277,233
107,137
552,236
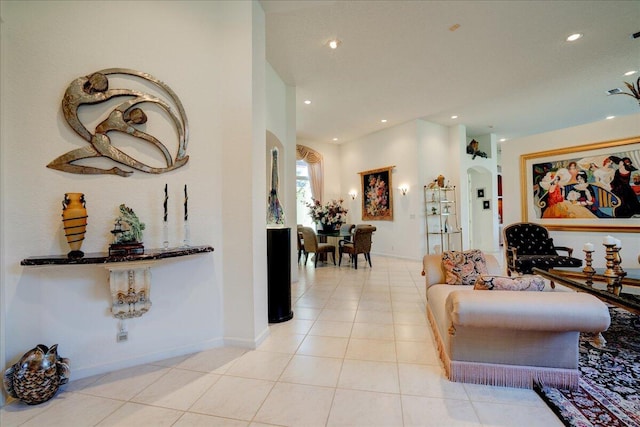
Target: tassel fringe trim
502,375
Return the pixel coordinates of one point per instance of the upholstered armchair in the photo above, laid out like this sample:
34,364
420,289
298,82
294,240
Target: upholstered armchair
361,244
311,245
528,245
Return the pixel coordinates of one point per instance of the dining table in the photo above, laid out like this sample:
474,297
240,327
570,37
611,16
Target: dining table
335,236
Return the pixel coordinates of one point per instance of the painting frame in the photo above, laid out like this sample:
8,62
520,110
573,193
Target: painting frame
480,193
377,194
530,188
486,205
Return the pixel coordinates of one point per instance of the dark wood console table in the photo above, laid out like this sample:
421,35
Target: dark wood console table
129,275
104,258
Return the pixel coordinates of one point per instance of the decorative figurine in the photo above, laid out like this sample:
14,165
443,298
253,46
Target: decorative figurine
473,149
127,234
37,376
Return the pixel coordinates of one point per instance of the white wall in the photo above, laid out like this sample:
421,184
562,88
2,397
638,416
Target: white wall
281,122
212,55
396,146
606,130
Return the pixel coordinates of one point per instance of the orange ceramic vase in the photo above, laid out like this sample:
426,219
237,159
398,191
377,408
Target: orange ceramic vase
74,218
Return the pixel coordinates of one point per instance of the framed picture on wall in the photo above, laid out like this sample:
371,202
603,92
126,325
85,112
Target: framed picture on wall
480,193
593,187
377,194
486,204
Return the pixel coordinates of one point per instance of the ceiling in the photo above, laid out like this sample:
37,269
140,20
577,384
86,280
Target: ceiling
507,69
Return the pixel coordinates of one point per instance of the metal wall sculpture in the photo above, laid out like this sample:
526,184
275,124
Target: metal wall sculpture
126,117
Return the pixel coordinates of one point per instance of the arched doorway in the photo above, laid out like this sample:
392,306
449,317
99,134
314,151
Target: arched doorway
482,207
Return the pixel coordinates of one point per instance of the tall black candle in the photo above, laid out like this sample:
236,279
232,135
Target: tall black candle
166,200
186,200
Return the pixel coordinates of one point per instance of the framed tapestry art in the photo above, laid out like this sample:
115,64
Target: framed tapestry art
377,194
593,187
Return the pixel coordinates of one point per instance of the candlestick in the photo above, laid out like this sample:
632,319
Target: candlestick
165,235
609,273
166,200
186,201
617,268
588,270
187,235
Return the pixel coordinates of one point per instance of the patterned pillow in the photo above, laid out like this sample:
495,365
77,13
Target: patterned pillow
463,268
501,283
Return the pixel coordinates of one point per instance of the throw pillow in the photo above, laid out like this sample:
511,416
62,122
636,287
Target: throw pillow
463,268
501,283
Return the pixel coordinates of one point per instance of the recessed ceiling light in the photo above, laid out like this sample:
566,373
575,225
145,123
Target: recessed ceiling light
335,139
574,37
454,117
383,121
503,139
333,44
307,101
610,117
630,73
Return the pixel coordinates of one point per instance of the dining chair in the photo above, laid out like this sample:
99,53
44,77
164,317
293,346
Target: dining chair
361,244
346,232
300,242
311,245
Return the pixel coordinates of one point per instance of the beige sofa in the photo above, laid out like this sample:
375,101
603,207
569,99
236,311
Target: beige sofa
509,338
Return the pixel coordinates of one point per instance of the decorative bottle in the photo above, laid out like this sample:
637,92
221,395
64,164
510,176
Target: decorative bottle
275,212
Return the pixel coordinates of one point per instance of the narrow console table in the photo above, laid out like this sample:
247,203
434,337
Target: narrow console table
129,275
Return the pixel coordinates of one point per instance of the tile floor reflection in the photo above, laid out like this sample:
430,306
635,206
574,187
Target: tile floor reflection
358,352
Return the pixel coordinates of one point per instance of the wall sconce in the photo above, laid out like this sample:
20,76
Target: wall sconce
353,194
404,189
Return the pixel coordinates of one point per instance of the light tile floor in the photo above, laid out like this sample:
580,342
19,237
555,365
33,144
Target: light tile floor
358,352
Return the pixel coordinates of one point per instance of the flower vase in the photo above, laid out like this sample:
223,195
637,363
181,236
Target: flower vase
329,228
275,211
74,219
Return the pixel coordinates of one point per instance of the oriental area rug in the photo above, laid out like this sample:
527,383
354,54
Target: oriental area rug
609,387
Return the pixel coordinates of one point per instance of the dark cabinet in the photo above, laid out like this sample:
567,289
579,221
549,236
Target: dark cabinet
279,274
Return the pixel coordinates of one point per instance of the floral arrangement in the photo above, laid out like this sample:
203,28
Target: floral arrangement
377,196
331,213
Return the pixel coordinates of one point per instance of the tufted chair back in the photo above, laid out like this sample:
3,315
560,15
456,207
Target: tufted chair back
528,245
529,239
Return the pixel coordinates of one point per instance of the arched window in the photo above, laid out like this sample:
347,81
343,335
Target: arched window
309,181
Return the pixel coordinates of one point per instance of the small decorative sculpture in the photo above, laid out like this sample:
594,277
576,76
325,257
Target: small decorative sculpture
37,376
126,118
127,233
473,149
275,212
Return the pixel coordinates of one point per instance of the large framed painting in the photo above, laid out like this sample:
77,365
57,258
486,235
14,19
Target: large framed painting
593,187
377,195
